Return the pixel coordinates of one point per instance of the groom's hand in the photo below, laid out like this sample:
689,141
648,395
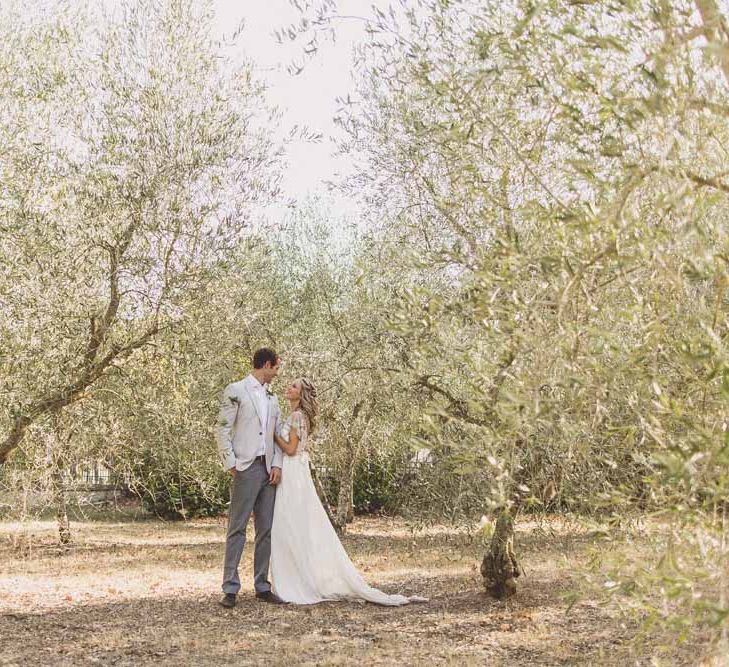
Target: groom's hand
275,477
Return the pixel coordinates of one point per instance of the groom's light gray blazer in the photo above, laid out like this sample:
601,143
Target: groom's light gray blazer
240,426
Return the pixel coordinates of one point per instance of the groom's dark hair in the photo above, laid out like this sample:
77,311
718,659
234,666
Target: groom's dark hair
262,356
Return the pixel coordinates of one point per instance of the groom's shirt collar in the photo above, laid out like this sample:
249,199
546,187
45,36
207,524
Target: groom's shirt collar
254,383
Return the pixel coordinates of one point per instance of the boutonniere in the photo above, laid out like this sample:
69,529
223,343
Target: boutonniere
269,393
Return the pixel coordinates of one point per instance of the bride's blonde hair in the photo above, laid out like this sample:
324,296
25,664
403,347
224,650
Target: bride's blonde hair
308,403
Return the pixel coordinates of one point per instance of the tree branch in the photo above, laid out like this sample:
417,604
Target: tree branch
716,31
99,332
69,394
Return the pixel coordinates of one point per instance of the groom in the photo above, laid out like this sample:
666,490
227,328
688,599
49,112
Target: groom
249,416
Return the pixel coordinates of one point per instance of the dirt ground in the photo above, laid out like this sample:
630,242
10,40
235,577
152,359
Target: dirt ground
146,592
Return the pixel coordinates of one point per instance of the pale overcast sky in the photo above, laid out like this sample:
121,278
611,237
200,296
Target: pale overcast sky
306,99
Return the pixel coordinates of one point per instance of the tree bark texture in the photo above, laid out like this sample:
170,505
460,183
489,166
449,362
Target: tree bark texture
499,567
59,502
345,508
322,495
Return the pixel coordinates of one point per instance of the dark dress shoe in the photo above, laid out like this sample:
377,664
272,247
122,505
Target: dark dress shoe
228,600
270,596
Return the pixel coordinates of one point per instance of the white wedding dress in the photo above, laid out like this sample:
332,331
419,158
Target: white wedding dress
308,562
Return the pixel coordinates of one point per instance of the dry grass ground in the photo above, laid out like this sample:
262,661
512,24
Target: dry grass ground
139,593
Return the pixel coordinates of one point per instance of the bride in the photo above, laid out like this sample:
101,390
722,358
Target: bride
308,562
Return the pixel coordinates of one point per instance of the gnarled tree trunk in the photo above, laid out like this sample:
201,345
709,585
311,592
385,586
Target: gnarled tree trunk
499,567
57,488
322,494
58,493
345,501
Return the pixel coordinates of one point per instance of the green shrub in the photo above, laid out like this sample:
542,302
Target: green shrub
376,483
186,491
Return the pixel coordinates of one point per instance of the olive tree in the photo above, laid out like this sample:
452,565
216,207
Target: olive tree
132,154
561,166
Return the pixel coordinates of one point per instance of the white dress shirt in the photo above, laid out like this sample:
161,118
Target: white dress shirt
260,397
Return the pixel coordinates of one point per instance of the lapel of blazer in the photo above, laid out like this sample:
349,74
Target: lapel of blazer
255,405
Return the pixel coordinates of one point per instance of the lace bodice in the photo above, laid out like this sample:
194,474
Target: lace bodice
300,423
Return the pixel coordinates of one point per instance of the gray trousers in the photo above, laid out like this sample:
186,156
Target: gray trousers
250,492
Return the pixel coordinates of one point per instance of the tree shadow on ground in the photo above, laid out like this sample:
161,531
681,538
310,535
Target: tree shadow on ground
184,624
459,625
